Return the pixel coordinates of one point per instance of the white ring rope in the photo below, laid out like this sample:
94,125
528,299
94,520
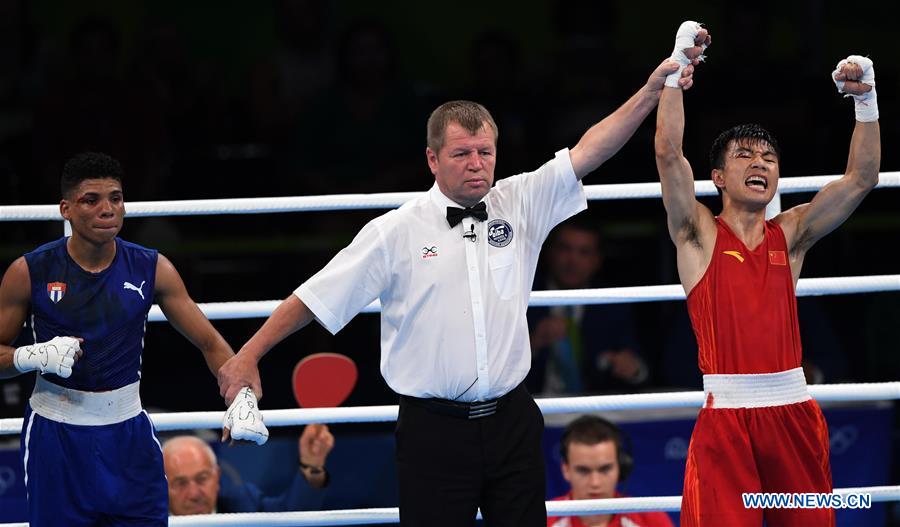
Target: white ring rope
227,310
611,295
392,515
559,405
196,207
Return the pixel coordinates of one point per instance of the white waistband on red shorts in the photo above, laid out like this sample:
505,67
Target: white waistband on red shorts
755,390
75,407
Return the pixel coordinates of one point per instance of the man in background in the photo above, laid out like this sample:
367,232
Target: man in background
587,348
594,461
196,485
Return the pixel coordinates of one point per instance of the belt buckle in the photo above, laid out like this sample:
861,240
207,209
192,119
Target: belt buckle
479,410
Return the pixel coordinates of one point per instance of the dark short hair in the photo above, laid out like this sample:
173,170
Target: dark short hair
589,430
580,223
752,133
95,27
88,165
470,115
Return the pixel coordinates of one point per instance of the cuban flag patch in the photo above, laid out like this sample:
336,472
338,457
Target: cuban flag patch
56,290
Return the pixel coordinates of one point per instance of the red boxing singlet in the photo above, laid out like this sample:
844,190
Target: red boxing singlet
744,310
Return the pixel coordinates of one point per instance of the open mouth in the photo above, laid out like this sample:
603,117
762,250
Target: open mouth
757,182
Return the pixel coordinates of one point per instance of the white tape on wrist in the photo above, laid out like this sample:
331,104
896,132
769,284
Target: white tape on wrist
867,103
56,356
684,39
867,106
244,419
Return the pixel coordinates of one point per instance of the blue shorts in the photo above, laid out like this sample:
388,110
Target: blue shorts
79,475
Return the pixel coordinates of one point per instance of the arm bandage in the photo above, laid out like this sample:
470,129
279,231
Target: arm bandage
244,419
56,356
684,39
867,103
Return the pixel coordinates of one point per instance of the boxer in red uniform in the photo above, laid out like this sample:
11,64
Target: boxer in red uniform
759,430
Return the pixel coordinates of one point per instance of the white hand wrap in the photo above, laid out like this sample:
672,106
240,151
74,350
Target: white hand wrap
684,39
867,103
57,356
244,419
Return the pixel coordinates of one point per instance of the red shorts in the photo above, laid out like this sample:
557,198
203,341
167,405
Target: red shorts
769,449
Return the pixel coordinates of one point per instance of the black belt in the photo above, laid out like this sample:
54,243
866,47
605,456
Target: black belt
473,410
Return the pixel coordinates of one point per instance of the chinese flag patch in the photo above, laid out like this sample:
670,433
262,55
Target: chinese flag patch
777,258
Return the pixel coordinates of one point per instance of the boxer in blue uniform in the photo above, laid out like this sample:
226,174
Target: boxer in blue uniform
90,452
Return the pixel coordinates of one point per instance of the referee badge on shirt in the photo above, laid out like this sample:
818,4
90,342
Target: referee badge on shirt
56,290
500,233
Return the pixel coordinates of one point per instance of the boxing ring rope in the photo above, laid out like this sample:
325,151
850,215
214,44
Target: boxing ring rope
199,207
554,508
165,422
292,417
559,405
611,295
392,514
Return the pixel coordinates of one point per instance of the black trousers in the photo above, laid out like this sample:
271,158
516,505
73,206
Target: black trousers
449,466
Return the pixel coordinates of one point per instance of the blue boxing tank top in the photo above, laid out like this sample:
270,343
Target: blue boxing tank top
107,309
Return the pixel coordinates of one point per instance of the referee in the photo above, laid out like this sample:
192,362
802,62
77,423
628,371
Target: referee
453,270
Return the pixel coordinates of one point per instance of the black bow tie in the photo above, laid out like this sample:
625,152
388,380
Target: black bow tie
456,214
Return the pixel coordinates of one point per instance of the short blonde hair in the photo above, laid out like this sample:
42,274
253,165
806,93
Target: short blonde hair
470,115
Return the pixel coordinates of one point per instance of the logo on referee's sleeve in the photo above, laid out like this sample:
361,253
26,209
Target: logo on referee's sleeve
500,233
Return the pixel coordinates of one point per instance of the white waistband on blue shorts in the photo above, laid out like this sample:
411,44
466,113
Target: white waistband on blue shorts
755,390
76,407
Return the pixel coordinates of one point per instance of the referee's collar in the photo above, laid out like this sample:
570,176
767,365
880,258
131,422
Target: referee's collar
442,201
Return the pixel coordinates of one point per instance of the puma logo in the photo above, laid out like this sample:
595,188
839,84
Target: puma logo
132,287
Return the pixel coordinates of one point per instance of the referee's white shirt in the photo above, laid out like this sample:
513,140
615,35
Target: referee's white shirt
452,311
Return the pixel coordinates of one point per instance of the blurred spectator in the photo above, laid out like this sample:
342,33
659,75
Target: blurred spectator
197,486
89,107
18,85
162,65
497,81
579,93
357,137
594,461
881,329
679,348
301,67
587,348
823,358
